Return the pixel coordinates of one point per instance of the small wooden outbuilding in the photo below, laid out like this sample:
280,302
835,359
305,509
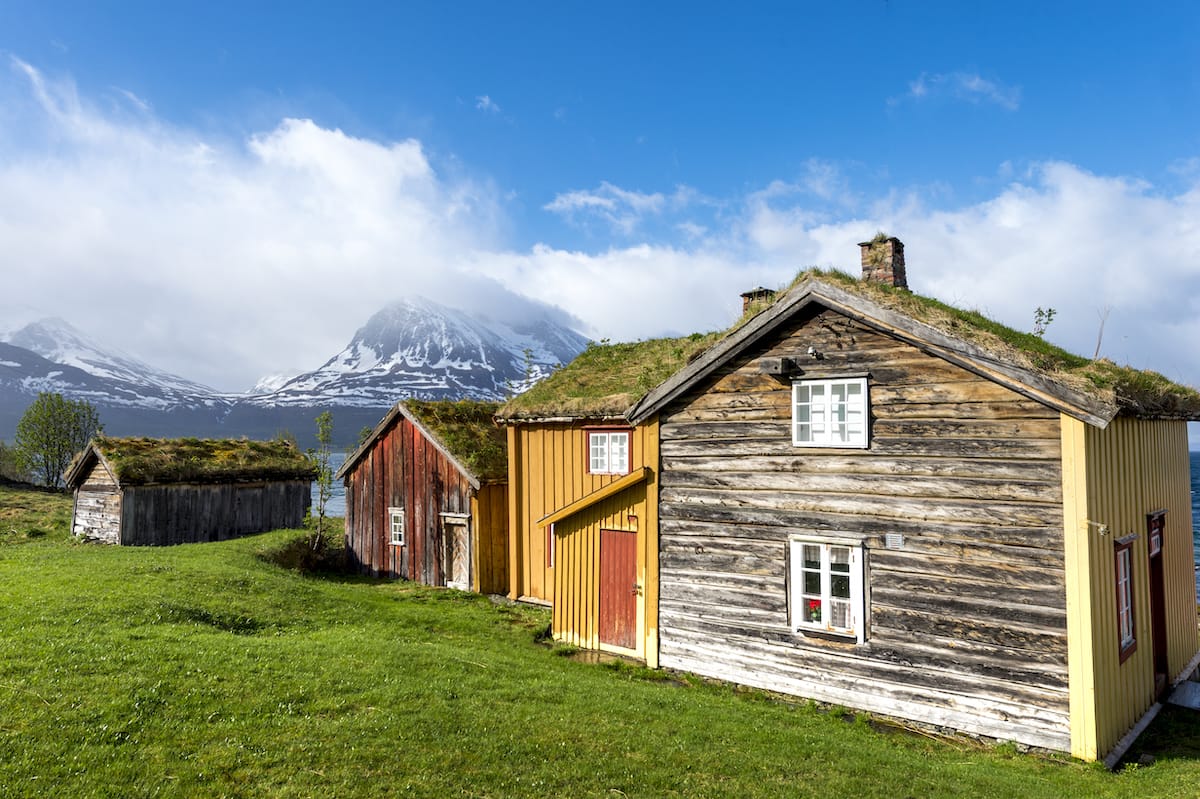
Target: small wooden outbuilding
426,497
583,495
872,499
147,491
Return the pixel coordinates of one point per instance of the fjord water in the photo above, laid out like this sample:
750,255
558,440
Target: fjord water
1195,459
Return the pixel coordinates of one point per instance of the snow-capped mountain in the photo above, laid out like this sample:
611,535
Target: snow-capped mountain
110,376
418,348
414,348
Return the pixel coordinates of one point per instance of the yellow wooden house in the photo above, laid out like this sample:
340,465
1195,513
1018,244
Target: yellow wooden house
583,501
868,498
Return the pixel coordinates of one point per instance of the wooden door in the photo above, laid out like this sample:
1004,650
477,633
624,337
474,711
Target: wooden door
618,588
1158,601
457,535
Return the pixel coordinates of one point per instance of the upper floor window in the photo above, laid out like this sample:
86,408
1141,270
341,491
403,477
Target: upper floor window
608,452
830,413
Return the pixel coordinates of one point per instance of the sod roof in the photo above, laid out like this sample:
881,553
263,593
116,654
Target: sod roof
605,379
468,430
145,461
1138,392
1098,389
463,430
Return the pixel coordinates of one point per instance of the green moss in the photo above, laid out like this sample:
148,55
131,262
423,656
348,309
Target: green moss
605,379
1137,392
466,428
139,461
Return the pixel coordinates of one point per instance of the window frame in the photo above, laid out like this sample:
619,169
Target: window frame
828,410
396,531
608,434
1124,595
799,599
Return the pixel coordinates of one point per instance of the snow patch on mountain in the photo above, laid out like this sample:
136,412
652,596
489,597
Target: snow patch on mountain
419,348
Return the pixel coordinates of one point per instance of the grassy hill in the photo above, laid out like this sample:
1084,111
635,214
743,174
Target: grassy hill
210,670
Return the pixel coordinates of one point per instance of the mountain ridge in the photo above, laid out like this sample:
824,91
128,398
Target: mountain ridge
413,347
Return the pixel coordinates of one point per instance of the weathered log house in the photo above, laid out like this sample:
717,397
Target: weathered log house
146,491
583,501
870,499
426,498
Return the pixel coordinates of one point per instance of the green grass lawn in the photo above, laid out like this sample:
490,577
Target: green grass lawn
208,670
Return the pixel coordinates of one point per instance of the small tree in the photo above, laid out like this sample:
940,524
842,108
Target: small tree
10,464
1042,318
320,458
49,434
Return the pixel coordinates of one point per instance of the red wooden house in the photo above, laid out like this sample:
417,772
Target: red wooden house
426,497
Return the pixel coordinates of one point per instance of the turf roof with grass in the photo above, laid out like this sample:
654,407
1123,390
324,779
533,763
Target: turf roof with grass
145,461
1137,392
464,430
606,379
467,430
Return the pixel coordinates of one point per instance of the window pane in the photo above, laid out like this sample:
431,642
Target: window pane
839,614
598,445
839,586
619,452
812,610
812,556
812,583
839,559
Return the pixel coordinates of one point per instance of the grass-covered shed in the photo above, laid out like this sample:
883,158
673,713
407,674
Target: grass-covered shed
148,491
426,498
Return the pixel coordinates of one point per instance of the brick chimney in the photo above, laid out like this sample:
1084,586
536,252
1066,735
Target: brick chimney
883,261
757,295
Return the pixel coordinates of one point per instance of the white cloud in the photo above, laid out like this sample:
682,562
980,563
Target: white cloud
221,261
487,104
224,261
964,86
620,210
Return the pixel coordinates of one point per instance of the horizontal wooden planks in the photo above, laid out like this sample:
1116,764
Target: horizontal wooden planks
967,611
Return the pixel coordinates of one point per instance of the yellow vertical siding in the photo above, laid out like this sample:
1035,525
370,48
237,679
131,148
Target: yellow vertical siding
515,538
548,471
1112,479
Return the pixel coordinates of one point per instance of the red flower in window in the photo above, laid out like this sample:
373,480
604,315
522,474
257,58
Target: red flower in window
813,609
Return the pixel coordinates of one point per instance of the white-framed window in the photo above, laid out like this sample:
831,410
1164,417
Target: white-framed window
827,587
1126,629
396,523
830,413
608,452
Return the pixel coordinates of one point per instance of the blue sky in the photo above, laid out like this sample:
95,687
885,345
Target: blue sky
187,169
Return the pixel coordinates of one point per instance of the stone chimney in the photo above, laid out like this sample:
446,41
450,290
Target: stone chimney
883,261
758,295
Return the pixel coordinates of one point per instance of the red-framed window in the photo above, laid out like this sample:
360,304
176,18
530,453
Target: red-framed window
608,451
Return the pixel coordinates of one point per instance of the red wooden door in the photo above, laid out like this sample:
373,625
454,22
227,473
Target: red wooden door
618,588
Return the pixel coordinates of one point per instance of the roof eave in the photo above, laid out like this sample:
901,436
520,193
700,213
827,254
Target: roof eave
397,410
901,326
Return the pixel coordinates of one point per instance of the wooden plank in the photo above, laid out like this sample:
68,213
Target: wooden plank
870,484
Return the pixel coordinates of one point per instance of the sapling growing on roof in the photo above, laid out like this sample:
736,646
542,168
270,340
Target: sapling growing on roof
1042,318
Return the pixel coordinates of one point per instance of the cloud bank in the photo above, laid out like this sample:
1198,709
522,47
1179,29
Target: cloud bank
224,260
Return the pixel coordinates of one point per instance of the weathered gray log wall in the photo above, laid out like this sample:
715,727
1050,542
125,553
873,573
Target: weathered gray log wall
966,621
181,514
97,514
